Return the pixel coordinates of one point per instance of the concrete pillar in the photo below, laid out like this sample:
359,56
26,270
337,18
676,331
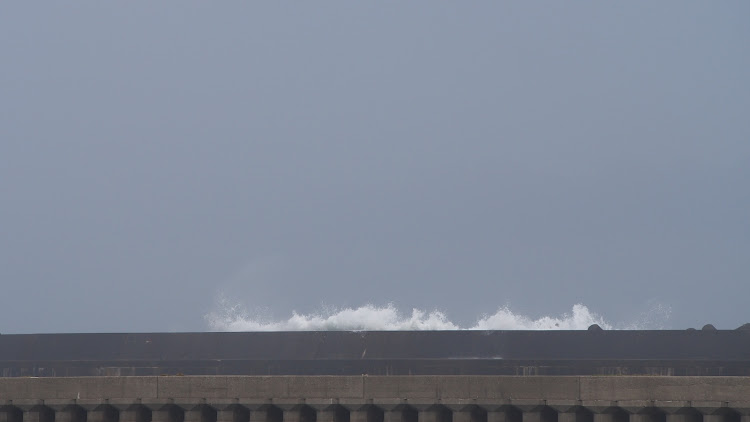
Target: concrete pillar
472,413
103,413
359,415
435,414
608,413
168,413
368,413
462,416
686,415
267,413
292,415
531,416
393,416
300,413
647,417
326,415
428,416
505,414
11,414
71,414
135,413
193,415
576,413
228,415
201,413
401,414
566,417
160,415
259,415
39,414
334,413
233,413
540,414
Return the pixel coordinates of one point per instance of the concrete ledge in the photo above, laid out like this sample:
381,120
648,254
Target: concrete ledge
392,389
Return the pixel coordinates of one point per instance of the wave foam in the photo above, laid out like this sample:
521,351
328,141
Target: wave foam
388,318
579,319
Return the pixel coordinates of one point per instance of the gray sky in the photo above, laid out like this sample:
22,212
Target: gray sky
451,155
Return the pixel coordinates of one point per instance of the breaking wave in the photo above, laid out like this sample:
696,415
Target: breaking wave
233,317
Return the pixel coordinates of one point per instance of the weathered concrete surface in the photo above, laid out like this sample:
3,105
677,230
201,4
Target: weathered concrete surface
76,368
375,399
413,388
664,388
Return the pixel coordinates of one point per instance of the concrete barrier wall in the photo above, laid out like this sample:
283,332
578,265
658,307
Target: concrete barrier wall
718,345
375,399
340,353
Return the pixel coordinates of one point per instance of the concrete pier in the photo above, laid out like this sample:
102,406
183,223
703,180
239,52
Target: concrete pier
375,399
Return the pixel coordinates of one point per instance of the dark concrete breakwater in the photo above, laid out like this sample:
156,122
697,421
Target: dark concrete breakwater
550,353
447,376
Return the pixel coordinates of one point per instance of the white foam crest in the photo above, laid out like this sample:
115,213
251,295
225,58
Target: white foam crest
368,317
504,319
387,318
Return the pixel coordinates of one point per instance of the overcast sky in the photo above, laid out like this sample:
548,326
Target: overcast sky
458,156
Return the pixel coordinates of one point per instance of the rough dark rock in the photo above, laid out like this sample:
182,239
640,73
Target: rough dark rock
708,327
595,327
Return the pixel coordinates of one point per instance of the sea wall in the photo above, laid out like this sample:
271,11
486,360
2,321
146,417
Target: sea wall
375,399
672,352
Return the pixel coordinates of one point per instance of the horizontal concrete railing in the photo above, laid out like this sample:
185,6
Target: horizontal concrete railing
375,399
